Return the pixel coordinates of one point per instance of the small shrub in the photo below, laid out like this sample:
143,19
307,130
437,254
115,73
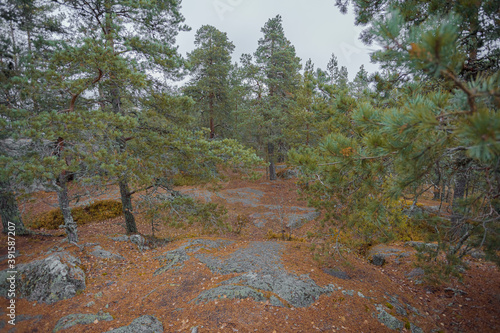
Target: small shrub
97,211
241,222
283,236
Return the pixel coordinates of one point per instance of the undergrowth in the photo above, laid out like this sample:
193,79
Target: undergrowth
95,212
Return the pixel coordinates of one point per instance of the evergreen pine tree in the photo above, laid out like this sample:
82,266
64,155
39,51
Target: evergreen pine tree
280,67
210,66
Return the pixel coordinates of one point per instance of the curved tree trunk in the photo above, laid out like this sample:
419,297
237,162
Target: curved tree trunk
126,198
62,196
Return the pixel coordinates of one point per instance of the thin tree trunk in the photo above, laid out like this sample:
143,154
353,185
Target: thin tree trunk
125,195
211,115
9,211
458,194
62,196
272,168
127,207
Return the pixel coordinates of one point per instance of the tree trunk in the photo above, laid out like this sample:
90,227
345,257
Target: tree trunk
125,195
458,194
272,168
211,115
62,196
127,207
9,211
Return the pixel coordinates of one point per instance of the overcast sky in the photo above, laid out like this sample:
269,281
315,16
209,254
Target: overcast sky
316,28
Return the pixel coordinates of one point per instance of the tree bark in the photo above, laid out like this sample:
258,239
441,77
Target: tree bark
63,198
458,194
9,211
272,167
127,207
211,115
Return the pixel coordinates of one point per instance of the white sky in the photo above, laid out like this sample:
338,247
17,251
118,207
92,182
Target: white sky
316,28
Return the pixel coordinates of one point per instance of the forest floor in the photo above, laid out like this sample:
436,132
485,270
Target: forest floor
288,290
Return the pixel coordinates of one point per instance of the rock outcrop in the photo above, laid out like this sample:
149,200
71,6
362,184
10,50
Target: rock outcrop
48,280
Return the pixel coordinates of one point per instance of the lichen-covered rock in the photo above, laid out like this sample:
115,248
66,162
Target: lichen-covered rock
264,274
100,253
48,280
139,241
387,319
378,259
143,324
175,259
421,246
415,273
80,319
297,220
337,273
122,238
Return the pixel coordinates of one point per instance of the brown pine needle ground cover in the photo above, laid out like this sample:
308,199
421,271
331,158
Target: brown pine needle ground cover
128,288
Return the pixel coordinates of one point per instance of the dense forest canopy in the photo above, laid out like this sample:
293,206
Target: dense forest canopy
85,97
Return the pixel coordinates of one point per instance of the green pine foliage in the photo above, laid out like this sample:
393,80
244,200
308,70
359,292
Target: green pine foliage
210,66
433,125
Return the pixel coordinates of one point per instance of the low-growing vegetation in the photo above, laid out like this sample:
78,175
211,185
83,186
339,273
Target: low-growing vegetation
94,212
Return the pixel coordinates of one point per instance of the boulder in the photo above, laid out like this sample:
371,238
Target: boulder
139,241
143,324
48,280
415,273
80,319
100,253
389,320
421,246
378,259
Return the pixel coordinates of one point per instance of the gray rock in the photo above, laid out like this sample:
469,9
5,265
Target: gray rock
263,272
22,317
289,173
99,252
143,324
387,319
80,319
260,219
229,292
415,273
297,220
89,304
139,241
247,196
478,254
378,259
348,292
337,273
198,194
48,280
171,260
415,329
123,238
421,246
175,259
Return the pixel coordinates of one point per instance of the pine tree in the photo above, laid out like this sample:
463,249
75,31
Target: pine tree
280,67
210,66
436,122
25,25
